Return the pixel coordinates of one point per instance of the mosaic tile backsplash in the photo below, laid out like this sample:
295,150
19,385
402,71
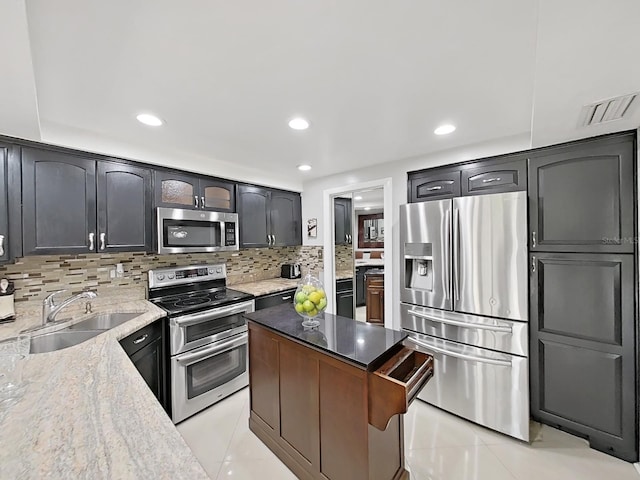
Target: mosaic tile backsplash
344,257
37,276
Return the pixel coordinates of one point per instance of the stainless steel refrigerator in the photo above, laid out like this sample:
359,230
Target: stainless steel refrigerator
464,282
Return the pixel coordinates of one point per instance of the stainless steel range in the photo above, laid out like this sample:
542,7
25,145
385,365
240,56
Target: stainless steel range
208,340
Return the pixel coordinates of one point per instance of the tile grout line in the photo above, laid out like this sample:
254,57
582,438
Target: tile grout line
235,430
488,447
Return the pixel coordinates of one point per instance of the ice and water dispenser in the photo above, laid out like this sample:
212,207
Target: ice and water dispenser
418,264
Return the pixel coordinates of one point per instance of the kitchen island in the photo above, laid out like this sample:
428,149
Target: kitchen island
328,401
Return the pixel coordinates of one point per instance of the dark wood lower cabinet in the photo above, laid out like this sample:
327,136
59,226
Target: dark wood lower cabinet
375,298
583,360
314,411
344,298
146,350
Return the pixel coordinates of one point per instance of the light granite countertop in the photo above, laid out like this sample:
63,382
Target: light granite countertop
87,413
274,285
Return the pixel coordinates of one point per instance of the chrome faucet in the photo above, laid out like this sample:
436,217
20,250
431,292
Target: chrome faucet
50,310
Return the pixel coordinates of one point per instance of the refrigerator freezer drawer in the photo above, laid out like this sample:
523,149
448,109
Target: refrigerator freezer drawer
488,388
493,333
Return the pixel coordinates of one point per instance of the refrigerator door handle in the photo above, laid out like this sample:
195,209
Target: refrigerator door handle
477,326
462,356
447,256
456,253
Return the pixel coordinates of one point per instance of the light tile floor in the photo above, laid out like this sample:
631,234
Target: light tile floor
439,446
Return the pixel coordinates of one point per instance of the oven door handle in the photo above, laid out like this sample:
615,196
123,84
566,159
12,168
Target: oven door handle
211,351
196,318
476,326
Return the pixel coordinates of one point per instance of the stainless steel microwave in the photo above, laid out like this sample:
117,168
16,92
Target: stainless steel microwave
195,231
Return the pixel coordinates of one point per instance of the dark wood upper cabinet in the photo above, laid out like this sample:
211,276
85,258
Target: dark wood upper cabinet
4,204
217,195
59,203
268,217
254,216
181,190
286,218
495,176
343,221
581,197
582,347
125,212
434,185
176,190
76,205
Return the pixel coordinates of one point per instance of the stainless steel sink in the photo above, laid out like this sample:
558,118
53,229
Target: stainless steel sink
50,342
104,321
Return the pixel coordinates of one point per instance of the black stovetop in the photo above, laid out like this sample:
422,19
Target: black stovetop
196,301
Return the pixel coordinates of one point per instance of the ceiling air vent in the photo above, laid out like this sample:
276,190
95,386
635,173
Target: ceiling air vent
607,110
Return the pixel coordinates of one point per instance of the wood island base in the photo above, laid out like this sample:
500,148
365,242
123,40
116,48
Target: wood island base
316,412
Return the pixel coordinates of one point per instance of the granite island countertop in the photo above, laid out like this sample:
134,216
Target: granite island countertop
275,285
359,343
87,413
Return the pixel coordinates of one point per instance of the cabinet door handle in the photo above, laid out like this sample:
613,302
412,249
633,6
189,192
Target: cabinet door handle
269,240
533,239
102,237
1,245
437,187
274,239
489,180
202,205
195,201
284,299
91,235
140,339
533,264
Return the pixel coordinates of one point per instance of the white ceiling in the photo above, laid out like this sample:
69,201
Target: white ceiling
374,77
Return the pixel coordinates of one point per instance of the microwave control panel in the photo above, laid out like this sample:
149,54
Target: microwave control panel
230,234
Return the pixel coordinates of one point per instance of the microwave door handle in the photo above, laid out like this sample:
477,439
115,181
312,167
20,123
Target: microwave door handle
455,323
461,356
197,356
196,318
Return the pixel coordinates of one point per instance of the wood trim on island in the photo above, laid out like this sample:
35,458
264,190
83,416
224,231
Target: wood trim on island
315,411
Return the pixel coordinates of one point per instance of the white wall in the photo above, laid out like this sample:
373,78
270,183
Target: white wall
312,195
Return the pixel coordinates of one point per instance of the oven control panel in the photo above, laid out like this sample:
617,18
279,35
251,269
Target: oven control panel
164,277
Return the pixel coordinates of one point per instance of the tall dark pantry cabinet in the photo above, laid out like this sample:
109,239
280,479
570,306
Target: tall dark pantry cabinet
583,267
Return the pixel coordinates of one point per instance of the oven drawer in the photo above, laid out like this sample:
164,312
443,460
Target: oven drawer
203,328
205,375
142,337
484,332
489,388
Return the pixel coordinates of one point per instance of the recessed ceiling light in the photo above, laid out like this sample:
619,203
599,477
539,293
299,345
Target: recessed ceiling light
367,208
304,168
299,124
149,119
357,198
444,129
